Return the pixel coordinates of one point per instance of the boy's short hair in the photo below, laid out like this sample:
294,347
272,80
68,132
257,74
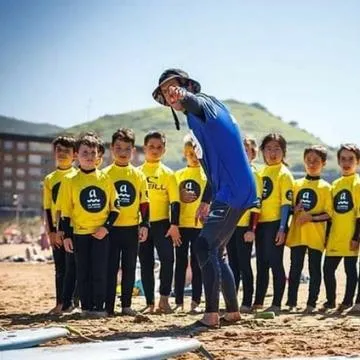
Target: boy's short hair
188,141
319,150
101,147
350,147
124,134
89,140
251,142
155,134
67,141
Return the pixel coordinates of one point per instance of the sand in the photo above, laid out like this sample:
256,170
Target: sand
27,293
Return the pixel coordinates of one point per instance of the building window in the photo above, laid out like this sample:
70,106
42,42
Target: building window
33,198
20,185
8,171
34,159
7,183
6,198
8,145
21,146
35,171
8,157
39,146
35,185
21,159
20,172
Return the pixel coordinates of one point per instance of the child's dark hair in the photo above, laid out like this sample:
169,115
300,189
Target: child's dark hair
350,147
124,134
279,139
318,150
67,141
90,140
188,140
155,135
100,145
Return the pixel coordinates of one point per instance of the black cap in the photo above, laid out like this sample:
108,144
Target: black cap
184,80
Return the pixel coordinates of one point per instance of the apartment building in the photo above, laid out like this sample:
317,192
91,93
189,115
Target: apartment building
24,161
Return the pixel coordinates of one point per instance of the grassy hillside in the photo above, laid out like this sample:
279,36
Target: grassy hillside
15,126
254,120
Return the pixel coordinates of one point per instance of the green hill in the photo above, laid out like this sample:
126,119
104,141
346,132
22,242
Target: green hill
254,119
15,126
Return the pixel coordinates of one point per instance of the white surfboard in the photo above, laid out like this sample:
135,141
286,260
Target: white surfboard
329,357
137,349
24,338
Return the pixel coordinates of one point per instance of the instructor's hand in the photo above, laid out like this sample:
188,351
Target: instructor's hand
176,93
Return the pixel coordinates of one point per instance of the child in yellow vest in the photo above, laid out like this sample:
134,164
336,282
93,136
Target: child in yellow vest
312,210
164,232
239,248
92,207
191,181
343,240
126,232
64,149
271,230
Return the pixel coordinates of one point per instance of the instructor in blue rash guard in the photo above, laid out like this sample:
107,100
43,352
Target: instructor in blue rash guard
230,190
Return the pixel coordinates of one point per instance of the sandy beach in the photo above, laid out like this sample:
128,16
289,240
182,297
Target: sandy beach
27,293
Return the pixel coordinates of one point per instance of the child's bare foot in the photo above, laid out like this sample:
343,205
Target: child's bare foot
231,317
57,310
164,306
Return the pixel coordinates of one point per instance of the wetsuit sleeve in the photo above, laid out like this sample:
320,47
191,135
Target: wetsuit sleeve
357,230
49,221
175,213
113,197
173,189
198,105
113,215
65,226
254,219
207,195
145,214
285,213
144,202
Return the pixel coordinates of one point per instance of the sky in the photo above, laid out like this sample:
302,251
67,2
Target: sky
69,61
